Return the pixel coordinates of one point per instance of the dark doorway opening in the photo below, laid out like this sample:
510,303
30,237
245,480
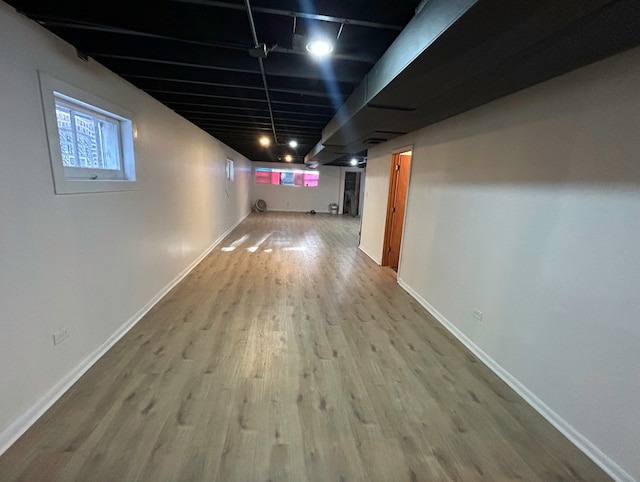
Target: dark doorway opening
351,200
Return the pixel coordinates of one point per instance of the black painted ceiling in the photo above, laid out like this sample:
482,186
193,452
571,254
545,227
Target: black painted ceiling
198,58
194,57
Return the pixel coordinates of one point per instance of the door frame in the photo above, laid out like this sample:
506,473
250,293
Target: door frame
390,196
343,176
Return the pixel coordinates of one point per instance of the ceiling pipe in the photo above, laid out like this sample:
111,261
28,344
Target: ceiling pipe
262,72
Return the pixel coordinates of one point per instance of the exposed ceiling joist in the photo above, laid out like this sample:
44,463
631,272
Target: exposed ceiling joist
239,98
300,71
264,125
188,112
303,140
199,57
171,62
290,13
250,110
182,81
63,23
226,115
195,57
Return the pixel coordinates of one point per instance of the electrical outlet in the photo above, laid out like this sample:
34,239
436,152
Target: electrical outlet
60,335
477,314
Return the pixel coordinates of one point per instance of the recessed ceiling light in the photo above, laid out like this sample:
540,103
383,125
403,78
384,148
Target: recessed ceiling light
354,161
319,48
293,144
265,141
288,158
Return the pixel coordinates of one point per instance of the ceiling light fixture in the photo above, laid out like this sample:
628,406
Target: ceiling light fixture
354,161
265,141
319,48
288,158
293,144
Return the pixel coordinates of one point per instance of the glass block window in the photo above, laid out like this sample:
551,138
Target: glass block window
287,177
310,179
89,141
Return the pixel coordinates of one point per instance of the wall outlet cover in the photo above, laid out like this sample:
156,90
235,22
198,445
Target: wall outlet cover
60,335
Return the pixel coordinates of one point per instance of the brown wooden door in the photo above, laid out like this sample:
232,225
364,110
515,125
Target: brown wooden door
398,187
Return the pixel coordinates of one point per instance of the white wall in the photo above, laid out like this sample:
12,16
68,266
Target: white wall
298,198
528,209
91,262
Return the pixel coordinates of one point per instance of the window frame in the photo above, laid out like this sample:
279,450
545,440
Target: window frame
75,180
73,172
230,170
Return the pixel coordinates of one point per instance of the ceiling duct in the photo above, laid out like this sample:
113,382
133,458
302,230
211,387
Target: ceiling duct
430,21
421,6
372,141
458,54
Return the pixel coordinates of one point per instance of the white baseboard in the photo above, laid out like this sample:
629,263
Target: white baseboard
14,431
274,210
376,261
575,437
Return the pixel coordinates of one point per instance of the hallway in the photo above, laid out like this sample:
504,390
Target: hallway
287,354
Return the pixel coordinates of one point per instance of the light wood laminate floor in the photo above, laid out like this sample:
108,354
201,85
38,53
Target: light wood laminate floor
291,357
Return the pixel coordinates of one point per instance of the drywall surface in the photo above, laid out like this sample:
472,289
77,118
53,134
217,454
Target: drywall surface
90,262
528,209
298,198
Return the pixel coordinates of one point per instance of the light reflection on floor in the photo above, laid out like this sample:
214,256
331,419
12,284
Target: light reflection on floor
281,240
236,243
304,239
